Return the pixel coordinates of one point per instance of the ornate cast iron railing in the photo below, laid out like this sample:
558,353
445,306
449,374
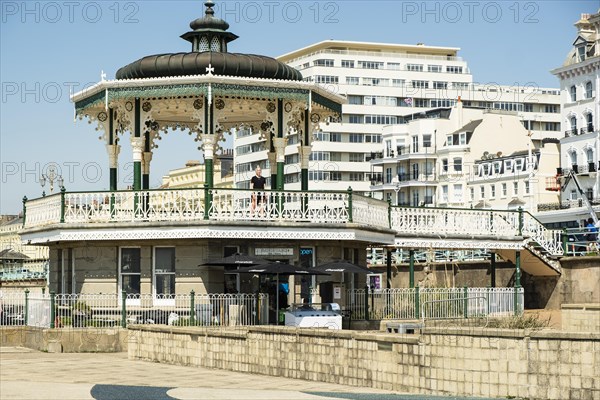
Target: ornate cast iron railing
548,239
452,221
337,207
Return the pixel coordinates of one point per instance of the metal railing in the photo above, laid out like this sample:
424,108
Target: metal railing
293,206
402,256
433,303
581,242
24,270
549,239
119,310
339,207
445,221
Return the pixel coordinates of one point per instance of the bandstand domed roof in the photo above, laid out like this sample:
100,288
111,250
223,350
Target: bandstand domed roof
209,38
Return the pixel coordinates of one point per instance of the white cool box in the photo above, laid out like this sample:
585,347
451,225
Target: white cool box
325,315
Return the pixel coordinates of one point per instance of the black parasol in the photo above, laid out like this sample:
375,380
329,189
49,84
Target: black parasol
342,266
237,260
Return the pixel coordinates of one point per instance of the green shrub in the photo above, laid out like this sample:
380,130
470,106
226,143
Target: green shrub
530,321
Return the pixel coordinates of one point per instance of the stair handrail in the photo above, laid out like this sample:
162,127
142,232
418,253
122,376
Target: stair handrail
549,239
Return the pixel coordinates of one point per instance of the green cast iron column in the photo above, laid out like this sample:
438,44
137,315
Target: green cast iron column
280,162
113,179
517,281
146,171
389,268
209,176
63,192
111,141
24,210
123,309
52,309
272,161
26,307
518,269
208,139
137,161
493,268
305,142
193,308
209,167
411,267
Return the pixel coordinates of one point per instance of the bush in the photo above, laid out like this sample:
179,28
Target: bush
184,322
519,322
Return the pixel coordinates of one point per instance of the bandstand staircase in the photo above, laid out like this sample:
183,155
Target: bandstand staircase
535,260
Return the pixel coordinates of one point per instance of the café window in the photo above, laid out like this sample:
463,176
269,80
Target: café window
130,272
164,273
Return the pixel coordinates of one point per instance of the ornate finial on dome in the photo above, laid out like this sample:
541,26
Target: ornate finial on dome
209,8
209,33
209,21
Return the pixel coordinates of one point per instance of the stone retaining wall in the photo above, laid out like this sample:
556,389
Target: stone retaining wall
87,340
581,317
443,361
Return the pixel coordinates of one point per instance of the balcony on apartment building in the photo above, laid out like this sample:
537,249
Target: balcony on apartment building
568,204
417,179
414,152
401,153
579,169
405,180
448,201
581,131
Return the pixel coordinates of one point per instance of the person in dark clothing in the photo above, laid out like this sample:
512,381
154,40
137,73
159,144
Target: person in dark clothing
257,183
592,230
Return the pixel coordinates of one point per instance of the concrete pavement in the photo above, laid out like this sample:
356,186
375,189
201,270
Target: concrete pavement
26,374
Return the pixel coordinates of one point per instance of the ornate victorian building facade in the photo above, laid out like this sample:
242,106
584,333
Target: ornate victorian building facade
465,157
580,118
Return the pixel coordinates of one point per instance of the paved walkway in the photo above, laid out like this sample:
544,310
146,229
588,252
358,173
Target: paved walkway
26,374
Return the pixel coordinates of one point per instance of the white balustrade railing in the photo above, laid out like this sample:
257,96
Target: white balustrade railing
549,239
369,211
499,301
43,211
145,205
279,206
284,206
434,303
111,310
454,221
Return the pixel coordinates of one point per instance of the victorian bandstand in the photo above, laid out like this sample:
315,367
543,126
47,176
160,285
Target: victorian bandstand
206,92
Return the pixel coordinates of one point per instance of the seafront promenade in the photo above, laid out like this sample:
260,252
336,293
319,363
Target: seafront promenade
27,374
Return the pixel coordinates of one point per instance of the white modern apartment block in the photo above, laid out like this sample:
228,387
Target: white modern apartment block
465,157
580,117
385,83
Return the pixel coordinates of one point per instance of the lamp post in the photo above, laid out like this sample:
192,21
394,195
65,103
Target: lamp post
51,176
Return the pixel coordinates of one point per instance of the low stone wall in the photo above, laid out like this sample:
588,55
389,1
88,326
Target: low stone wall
442,361
581,317
65,340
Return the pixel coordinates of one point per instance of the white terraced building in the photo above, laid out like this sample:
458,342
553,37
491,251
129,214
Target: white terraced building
464,157
385,83
580,117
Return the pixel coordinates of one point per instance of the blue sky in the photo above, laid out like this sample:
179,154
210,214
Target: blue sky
48,46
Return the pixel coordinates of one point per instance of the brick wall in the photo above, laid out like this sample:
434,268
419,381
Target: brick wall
443,361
